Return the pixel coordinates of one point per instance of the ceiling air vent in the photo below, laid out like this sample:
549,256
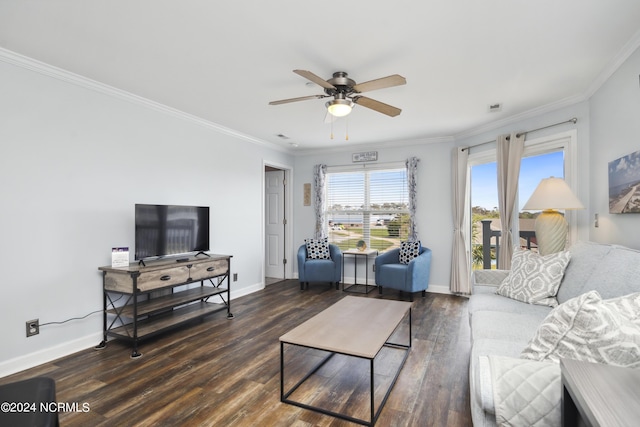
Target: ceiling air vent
495,107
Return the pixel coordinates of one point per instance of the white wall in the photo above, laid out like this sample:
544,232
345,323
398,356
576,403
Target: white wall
615,132
73,163
435,225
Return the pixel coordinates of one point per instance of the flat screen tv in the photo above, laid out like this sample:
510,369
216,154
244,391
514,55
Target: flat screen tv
163,230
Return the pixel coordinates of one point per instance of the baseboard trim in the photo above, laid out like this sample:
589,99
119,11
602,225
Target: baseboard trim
439,289
49,354
246,291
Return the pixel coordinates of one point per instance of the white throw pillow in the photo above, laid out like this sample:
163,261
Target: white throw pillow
589,329
533,278
628,306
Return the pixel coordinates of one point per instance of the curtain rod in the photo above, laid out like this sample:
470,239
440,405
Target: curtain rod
519,134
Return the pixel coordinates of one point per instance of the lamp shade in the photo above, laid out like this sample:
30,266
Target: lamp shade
552,193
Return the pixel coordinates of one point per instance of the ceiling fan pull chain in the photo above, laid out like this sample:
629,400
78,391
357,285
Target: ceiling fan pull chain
331,129
346,137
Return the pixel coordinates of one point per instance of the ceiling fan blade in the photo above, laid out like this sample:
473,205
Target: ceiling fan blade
301,98
389,81
314,78
378,106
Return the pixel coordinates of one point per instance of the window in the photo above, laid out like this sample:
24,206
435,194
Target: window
542,158
370,205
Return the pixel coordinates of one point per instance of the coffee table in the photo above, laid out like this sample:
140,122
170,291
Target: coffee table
354,326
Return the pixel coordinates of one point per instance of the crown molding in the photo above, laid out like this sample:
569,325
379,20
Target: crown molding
372,146
529,114
48,70
627,50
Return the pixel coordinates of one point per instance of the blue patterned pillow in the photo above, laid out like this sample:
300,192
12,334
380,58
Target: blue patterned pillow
408,251
317,248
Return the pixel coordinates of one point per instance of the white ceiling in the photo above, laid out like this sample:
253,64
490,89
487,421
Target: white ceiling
223,61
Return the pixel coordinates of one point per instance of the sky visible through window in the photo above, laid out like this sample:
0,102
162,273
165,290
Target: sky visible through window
484,181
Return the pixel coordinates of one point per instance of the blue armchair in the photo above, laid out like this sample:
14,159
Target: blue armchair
412,277
320,270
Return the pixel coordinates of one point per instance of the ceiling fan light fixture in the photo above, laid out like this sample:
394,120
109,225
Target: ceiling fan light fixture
339,107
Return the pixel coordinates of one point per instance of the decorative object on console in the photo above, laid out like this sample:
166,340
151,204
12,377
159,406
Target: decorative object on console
361,245
624,184
551,226
119,257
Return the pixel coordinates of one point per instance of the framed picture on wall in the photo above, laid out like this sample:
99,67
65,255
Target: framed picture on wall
624,184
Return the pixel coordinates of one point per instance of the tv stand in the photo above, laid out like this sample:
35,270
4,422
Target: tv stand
153,305
202,253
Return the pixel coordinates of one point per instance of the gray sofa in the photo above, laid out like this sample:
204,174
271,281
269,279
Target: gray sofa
502,327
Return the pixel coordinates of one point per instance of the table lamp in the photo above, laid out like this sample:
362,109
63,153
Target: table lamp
551,227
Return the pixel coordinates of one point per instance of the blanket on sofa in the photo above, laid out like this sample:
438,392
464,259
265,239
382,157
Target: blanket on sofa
526,392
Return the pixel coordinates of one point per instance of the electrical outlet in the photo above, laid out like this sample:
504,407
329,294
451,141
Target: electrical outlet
235,277
33,327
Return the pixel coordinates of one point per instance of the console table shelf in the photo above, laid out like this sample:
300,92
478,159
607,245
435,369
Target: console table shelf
169,301
167,321
156,298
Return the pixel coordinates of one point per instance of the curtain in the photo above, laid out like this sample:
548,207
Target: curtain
460,276
319,173
412,178
509,155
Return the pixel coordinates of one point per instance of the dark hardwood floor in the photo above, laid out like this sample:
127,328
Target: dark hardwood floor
223,372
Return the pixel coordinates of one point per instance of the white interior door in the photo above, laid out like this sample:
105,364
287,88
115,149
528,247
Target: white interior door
275,224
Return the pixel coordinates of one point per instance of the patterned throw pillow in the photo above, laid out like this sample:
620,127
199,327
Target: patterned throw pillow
317,248
589,329
534,278
628,306
408,251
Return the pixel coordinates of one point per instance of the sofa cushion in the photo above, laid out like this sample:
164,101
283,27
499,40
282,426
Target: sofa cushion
589,329
513,327
485,299
534,278
585,258
408,251
317,248
612,270
392,274
618,274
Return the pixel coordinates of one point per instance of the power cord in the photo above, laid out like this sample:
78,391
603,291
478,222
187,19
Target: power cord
83,317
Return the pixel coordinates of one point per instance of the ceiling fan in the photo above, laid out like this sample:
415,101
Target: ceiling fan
345,93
